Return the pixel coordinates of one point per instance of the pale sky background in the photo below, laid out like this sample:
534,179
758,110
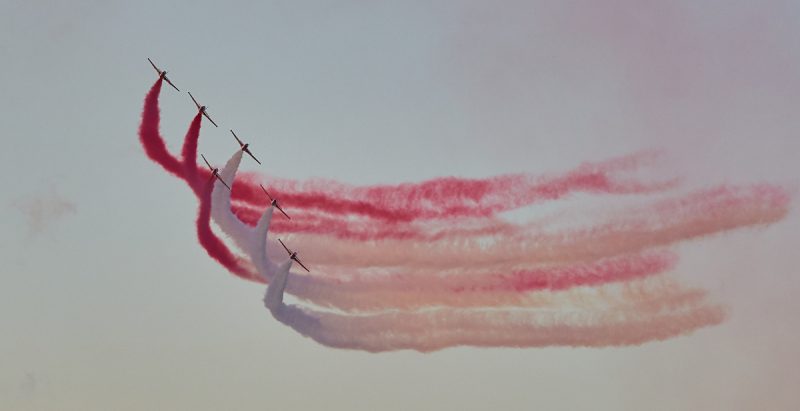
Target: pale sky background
107,302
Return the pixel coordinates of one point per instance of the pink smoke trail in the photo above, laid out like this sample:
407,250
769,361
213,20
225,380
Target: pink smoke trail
494,287
697,214
641,320
427,332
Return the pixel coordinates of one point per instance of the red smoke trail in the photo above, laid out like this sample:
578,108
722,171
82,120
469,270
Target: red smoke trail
452,197
604,271
211,243
440,198
248,200
156,150
447,197
364,230
189,155
505,197
150,137
332,203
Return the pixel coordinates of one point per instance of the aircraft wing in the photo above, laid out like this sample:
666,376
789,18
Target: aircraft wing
301,264
266,192
251,155
209,165
285,247
237,139
170,83
209,119
284,212
223,182
154,65
195,101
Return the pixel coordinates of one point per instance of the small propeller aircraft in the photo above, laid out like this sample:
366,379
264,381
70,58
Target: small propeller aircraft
274,202
215,172
245,147
293,255
202,109
162,74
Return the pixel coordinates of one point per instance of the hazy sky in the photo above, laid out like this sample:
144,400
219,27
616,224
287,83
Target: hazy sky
107,301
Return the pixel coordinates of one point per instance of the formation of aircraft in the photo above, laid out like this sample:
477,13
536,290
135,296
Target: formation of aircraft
162,74
293,255
274,202
245,148
202,109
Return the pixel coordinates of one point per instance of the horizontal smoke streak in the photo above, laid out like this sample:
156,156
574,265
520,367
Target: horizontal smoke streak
663,223
448,197
468,287
637,322
427,332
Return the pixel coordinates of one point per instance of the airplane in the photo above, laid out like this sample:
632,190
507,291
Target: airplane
245,147
202,109
274,202
214,172
162,74
293,255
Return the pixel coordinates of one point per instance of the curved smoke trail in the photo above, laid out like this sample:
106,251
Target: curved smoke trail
187,170
431,265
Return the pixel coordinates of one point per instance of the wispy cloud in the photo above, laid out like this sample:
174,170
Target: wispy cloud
43,210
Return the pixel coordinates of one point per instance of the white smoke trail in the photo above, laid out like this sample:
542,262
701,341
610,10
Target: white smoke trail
251,240
273,299
242,235
640,320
